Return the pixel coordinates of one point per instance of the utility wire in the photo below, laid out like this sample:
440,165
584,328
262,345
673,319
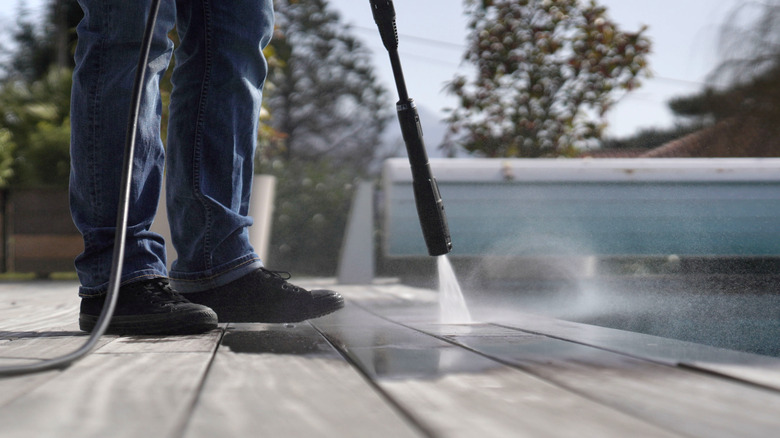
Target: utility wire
679,81
455,46
429,41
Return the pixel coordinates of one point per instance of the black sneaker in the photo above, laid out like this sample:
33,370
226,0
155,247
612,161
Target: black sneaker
149,307
266,296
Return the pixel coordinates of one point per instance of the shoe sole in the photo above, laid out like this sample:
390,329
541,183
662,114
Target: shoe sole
178,323
320,307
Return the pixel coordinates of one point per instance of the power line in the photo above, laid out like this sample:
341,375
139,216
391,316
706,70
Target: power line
462,47
429,41
679,81
449,63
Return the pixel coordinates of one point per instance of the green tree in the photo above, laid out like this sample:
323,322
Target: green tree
546,72
323,96
745,96
35,98
40,45
36,118
748,79
7,147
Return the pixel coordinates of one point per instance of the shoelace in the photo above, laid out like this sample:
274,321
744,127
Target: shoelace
281,277
160,291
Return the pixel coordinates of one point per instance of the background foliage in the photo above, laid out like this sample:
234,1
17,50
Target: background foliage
35,98
312,202
747,82
546,73
327,112
324,99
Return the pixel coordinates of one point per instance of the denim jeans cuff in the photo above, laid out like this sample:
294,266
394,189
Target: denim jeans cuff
100,290
199,281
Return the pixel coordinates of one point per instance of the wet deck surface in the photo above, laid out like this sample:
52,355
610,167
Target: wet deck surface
381,367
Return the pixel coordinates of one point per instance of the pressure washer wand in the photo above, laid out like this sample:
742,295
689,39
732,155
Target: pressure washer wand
430,208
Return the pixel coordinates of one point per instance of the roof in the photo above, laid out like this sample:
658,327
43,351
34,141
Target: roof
733,137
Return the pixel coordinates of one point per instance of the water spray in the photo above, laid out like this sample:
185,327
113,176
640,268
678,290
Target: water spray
430,208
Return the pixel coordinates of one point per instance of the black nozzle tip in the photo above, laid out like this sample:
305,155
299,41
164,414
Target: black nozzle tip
440,249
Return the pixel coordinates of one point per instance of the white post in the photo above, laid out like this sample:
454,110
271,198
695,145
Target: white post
261,209
163,228
356,264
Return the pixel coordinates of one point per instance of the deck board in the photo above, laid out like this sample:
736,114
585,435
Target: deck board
458,393
117,395
37,306
13,388
277,380
756,369
45,347
203,343
679,399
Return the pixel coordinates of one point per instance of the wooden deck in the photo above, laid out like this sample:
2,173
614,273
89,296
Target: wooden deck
382,367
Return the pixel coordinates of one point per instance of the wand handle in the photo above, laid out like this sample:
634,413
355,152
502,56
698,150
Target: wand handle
430,207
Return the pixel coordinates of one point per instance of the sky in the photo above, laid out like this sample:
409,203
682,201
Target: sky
432,35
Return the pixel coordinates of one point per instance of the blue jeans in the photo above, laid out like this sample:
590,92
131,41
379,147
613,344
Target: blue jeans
212,135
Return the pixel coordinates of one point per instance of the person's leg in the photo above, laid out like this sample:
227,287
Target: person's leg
212,135
109,39
108,49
